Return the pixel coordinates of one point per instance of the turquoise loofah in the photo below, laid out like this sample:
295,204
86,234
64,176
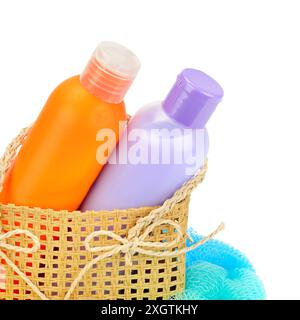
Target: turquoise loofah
216,271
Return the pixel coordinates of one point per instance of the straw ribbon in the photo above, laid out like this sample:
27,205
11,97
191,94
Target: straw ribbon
9,247
5,236
131,247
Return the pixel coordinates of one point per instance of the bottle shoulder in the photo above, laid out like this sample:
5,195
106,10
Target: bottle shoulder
153,116
71,93
152,126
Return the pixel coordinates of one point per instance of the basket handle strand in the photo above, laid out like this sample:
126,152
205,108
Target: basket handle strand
131,245
10,153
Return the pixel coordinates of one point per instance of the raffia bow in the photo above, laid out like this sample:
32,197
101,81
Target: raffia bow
137,245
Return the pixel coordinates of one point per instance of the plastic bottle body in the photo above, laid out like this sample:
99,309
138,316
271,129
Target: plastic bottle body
165,144
161,155
57,164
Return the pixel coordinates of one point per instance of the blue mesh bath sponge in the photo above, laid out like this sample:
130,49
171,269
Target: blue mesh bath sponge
216,271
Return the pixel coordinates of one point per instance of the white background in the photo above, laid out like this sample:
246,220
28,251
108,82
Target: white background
250,47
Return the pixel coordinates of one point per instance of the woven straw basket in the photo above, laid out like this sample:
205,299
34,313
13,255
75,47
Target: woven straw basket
122,254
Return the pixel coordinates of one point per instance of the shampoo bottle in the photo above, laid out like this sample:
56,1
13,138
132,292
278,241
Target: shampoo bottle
164,145
57,164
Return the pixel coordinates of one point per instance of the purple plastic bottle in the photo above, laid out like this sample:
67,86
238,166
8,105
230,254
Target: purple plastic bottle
164,144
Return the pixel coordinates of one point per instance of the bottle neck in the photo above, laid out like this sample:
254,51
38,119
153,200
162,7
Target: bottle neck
185,110
104,84
110,72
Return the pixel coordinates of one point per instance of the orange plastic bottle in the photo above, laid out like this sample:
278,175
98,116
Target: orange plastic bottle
57,164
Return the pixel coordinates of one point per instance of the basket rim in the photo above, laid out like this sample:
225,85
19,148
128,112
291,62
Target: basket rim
75,213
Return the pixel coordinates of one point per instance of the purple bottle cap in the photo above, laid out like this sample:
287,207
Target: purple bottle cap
193,98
